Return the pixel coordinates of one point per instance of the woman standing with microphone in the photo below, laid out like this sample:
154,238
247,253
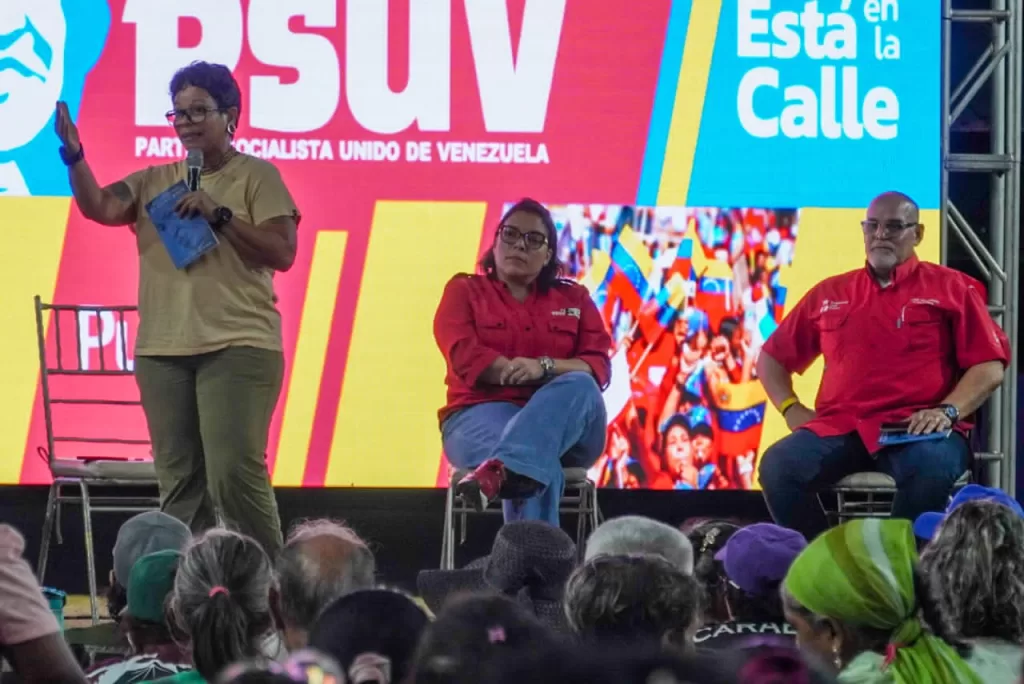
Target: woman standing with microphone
209,360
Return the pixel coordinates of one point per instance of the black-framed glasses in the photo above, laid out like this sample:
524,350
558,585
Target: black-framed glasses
889,228
532,240
194,115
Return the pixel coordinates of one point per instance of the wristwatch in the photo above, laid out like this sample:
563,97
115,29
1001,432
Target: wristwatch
952,412
221,217
547,364
72,159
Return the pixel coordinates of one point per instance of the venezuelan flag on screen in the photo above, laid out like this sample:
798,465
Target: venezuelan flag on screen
740,418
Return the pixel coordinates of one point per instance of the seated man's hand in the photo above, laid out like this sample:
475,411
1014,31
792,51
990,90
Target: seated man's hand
799,415
927,421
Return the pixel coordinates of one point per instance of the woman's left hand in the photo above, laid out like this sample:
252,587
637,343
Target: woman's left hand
196,203
521,371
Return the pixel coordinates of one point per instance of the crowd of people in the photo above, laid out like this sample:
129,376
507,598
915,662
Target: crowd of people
677,430
712,601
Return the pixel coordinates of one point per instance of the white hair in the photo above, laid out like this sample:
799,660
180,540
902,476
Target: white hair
635,534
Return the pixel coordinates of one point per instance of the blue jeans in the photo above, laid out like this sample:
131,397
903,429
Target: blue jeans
562,425
798,466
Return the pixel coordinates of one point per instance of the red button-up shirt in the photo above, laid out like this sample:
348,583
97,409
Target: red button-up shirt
888,351
478,321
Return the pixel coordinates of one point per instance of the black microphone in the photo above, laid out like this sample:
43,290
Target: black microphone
194,160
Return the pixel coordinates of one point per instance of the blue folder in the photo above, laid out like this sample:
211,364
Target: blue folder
891,438
186,239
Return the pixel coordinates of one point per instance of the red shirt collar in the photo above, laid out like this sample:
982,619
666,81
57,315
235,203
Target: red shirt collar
503,288
900,273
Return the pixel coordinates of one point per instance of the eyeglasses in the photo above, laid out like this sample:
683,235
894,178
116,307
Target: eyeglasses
889,228
192,114
533,241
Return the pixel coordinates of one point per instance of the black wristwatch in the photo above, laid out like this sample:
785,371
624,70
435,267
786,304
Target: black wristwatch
221,217
547,364
952,412
72,159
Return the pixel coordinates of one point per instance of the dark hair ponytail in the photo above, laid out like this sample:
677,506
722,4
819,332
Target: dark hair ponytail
222,599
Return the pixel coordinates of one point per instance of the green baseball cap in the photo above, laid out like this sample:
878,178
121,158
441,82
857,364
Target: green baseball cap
150,583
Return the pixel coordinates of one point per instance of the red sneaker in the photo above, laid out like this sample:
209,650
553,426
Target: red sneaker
483,485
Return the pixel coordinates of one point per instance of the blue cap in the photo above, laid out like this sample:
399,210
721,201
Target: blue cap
927,523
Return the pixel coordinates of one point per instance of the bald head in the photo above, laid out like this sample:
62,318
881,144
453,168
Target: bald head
895,203
892,230
322,561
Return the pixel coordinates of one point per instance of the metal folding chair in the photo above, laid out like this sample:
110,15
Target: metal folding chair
90,405
866,495
579,499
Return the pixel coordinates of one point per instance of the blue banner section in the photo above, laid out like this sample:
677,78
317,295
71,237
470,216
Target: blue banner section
821,104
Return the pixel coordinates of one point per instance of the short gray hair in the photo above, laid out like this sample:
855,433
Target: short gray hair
635,534
311,578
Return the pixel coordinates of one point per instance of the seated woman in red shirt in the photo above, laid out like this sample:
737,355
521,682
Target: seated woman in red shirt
527,356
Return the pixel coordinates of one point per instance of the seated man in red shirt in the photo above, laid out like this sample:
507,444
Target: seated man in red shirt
902,340
527,354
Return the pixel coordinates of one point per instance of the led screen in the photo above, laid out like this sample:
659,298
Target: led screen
733,144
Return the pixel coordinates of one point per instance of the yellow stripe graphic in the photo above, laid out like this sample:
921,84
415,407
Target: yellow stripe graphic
386,431
34,229
310,353
690,93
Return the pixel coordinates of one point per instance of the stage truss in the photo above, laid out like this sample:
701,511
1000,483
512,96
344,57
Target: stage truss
996,251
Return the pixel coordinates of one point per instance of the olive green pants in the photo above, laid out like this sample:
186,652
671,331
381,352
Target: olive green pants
208,418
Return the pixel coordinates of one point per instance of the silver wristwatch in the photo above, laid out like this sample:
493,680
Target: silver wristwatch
547,364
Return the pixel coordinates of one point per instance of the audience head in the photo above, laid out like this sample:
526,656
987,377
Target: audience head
973,571
708,537
474,636
755,560
854,589
140,535
303,667
322,561
635,534
648,664
529,562
371,634
643,597
221,600
927,524
150,584
524,245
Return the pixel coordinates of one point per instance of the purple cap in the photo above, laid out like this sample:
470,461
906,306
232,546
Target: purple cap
928,523
757,557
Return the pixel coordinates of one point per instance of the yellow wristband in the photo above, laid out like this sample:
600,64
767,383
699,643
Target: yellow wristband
788,404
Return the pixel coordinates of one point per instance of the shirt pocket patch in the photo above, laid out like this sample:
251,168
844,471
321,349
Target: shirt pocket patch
493,332
833,331
564,333
923,326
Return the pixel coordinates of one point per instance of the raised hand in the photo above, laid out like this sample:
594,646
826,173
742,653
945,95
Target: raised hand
66,129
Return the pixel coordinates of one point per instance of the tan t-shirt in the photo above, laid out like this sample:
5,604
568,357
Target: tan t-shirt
218,301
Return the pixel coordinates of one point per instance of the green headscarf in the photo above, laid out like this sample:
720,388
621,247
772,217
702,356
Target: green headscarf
862,574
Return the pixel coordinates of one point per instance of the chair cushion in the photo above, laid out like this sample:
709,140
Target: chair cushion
105,469
868,480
